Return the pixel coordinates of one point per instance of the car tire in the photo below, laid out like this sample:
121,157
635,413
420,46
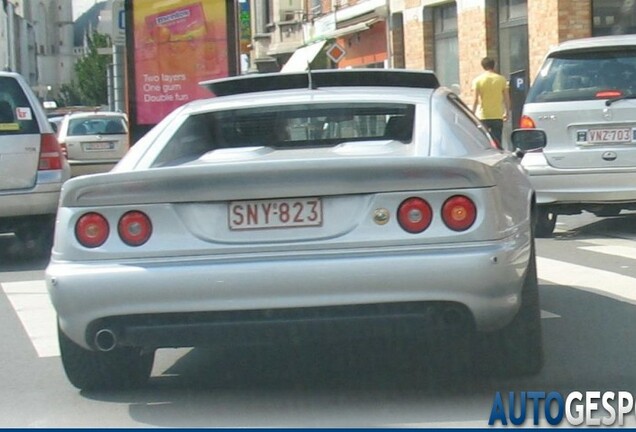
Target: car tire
517,349
544,223
121,368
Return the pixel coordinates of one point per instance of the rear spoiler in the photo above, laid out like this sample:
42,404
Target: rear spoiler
322,78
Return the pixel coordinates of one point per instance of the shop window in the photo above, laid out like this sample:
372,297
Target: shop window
513,36
446,45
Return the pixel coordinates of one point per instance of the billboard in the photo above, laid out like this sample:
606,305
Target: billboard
172,46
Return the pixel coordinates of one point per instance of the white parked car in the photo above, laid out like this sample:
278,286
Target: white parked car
349,203
94,141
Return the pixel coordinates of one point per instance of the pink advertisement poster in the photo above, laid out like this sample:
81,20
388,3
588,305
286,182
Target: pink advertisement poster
177,44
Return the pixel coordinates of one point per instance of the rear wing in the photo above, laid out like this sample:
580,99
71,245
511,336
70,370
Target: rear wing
322,78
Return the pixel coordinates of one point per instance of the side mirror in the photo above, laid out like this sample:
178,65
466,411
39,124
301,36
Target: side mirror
525,140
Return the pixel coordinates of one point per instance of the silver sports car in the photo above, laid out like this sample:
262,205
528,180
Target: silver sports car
340,203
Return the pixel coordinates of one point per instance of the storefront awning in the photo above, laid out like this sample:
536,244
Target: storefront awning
354,28
302,57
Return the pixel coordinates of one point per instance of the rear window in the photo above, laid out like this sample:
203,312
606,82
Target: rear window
16,114
97,126
586,75
288,127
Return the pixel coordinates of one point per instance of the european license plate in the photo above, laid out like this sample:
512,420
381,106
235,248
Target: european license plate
278,213
602,136
98,146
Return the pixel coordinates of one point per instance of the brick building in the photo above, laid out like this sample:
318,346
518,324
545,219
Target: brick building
451,37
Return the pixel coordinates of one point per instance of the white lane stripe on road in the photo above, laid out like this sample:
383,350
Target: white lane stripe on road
620,251
31,302
615,247
548,315
602,282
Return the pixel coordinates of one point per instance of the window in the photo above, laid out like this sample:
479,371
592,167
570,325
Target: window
13,102
613,17
288,127
446,44
397,33
513,36
586,76
316,7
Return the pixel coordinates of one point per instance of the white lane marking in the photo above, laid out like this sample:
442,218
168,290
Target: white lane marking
615,247
620,251
602,282
31,302
548,315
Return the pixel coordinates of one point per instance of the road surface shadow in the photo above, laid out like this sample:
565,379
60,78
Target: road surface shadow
623,226
12,257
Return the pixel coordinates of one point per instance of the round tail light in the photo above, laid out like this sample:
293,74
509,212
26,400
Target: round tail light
92,230
414,215
459,213
134,228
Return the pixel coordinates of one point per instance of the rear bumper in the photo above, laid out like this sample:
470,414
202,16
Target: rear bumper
485,278
571,186
42,199
91,167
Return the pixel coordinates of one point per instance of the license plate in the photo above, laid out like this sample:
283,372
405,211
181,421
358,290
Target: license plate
279,213
602,136
98,146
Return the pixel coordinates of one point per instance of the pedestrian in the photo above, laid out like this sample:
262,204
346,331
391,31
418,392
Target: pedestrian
492,99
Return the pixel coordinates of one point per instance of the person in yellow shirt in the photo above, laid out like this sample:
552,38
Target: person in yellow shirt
492,100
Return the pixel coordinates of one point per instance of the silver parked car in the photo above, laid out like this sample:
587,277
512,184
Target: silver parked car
330,204
584,97
93,141
32,168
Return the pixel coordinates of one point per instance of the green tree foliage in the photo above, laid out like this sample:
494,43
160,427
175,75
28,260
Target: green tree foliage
91,72
69,95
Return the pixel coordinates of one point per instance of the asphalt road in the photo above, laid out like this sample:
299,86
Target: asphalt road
588,299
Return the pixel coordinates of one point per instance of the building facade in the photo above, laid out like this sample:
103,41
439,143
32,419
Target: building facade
36,40
320,33
446,36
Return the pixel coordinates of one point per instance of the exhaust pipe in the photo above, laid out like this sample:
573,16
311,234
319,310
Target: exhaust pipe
105,340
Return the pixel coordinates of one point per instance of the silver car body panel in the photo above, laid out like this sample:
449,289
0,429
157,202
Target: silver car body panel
486,277
194,261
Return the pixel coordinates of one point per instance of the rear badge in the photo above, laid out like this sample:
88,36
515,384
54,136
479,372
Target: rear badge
609,156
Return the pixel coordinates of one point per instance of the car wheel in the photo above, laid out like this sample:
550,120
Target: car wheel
517,349
544,223
121,368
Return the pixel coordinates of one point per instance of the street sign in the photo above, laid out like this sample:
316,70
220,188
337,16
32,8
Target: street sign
119,23
336,53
